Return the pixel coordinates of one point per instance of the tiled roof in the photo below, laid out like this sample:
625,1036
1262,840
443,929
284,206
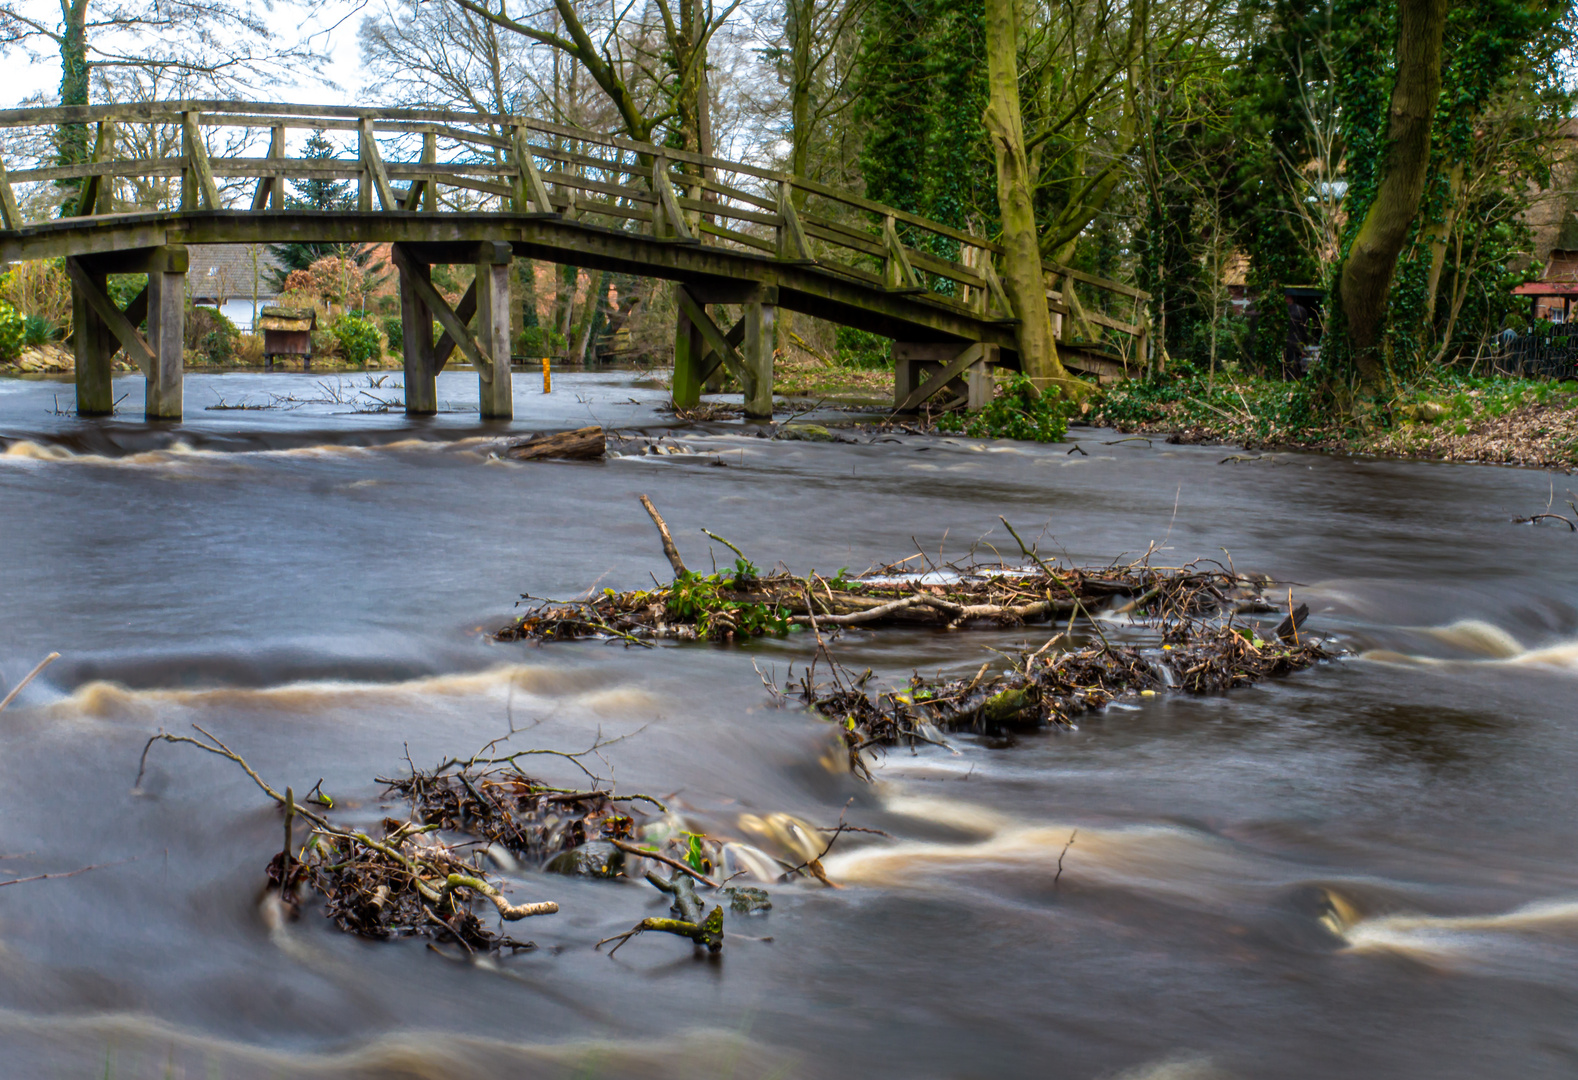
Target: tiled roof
226,269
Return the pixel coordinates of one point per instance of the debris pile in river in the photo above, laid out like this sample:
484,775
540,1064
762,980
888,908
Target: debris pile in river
742,601
1196,654
425,876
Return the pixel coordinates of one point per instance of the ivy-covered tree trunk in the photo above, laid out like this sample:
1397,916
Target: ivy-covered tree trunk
1366,274
1022,277
71,140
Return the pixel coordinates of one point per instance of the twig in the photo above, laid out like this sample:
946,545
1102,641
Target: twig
1066,846
17,689
1078,604
668,541
631,849
67,873
725,543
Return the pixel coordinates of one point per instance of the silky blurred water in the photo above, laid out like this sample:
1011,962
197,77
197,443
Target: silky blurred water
1365,869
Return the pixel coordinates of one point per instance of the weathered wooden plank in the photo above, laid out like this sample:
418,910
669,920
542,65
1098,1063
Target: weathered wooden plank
792,243
994,287
444,131
1100,283
424,193
10,215
1054,303
897,272
373,163
673,224
196,152
533,193
723,233
564,180
88,195
724,210
270,184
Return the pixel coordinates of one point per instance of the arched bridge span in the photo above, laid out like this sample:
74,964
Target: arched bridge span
445,187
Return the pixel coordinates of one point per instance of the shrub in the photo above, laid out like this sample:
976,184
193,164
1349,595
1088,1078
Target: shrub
394,332
249,349
539,341
38,330
358,338
211,334
859,349
13,329
1016,412
218,347
41,289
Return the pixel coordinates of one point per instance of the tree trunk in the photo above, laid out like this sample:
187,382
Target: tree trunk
1367,272
1439,233
1022,277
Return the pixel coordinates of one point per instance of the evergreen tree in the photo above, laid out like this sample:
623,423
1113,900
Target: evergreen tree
317,193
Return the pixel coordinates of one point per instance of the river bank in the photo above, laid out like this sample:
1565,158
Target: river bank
1501,420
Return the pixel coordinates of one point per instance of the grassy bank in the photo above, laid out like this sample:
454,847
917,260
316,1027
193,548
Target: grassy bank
1451,418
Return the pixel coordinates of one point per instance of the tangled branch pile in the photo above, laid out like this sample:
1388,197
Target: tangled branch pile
425,876
741,601
1196,654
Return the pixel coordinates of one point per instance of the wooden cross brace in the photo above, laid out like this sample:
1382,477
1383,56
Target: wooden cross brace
456,335
939,379
734,338
716,339
120,323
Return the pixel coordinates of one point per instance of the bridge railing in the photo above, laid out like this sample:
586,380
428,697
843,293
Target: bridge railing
225,155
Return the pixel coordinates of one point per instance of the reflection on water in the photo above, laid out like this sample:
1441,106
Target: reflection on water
1362,870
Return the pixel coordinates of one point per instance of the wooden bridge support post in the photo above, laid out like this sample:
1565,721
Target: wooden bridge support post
166,333
493,331
759,315
94,345
690,350
416,328
100,327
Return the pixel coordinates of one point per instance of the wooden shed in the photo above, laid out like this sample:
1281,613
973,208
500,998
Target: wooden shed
287,332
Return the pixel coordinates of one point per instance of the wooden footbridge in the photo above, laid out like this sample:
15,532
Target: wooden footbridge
454,188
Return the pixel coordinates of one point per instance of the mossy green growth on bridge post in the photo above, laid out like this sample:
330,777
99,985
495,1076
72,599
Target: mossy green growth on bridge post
689,353
495,392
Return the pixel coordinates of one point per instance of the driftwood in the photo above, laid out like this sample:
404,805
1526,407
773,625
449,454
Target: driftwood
582,444
687,922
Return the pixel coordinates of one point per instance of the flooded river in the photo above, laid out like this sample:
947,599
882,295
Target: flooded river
1367,869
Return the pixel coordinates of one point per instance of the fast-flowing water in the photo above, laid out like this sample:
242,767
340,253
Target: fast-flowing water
1367,869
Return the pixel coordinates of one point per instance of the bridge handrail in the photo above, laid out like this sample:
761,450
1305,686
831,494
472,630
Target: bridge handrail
776,225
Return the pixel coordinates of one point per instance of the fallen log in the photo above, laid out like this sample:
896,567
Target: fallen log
582,444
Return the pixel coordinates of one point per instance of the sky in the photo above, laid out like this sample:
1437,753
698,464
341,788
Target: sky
333,26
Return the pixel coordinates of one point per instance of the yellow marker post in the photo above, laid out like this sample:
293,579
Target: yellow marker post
547,377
